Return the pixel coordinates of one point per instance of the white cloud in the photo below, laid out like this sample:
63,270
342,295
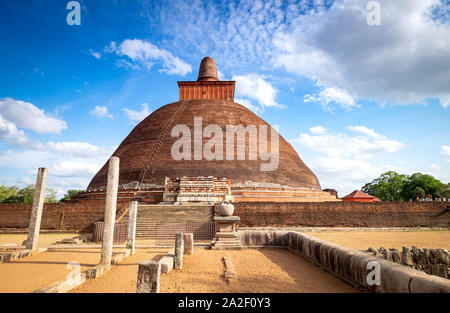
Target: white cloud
344,162
147,54
74,169
26,115
345,174
434,167
404,60
16,137
10,133
339,145
254,86
24,181
65,171
365,130
127,65
332,95
96,55
317,130
137,116
238,34
36,70
101,111
445,150
75,148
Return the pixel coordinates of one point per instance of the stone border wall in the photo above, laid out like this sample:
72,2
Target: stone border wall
348,264
431,261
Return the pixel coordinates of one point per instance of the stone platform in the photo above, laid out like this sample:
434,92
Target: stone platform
226,237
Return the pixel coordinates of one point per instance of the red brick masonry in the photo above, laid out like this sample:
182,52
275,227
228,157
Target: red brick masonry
81,216
345,214
56,216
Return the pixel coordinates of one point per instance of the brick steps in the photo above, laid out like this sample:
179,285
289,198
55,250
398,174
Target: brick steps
149,216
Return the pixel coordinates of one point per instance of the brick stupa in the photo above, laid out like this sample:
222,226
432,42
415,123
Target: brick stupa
147,165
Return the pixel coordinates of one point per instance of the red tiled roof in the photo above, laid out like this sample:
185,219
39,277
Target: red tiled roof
358,194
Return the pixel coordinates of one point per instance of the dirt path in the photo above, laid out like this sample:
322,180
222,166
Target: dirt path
44,239
43,269
387,239
264,270
122,277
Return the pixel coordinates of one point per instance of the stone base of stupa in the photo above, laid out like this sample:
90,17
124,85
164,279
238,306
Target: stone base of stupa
226,237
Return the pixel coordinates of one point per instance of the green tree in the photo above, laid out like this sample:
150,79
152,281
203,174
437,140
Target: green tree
446,192
6,192
419,192
25,195
428,183
70,194
50,196
388,187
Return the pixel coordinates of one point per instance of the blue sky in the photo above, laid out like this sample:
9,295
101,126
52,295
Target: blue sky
354,99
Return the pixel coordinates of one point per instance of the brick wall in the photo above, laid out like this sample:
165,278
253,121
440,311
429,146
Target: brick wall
345,214
81,216
57,216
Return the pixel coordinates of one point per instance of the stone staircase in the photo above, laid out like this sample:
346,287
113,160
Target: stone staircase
150,216
161,140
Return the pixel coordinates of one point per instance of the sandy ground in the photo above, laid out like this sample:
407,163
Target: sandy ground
265,270
122,278
43,269
262,270
44,239
387,239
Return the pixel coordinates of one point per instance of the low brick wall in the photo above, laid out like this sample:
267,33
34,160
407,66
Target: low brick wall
57,216
80,216
344,214
348,264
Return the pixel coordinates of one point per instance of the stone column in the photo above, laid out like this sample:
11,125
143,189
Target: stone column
36,212
132,213
110,210
149,274
179,250
189,243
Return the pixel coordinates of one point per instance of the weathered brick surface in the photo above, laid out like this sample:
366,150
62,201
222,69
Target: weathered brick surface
81,216
345,214
56,216
149,135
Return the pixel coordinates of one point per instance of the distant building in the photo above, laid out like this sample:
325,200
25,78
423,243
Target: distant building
332,192
359,196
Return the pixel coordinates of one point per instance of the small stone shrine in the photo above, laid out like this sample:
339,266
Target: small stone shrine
226,236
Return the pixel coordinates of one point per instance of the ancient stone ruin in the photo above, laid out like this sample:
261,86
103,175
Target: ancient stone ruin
431,261
149,173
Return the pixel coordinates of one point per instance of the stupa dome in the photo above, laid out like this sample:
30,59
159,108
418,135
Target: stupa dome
145,154
148,166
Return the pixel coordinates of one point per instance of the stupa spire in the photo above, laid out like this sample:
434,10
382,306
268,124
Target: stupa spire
208,70
208,85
